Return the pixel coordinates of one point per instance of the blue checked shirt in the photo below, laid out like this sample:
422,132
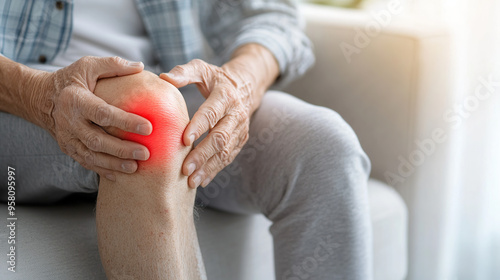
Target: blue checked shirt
34,31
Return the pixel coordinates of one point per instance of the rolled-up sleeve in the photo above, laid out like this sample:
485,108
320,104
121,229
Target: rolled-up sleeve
276,25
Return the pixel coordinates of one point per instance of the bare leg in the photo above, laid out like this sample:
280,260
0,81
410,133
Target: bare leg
145,221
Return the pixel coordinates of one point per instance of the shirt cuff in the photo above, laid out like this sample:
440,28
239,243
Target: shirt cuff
294,55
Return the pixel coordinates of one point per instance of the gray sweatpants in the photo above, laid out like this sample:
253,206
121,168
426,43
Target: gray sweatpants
303,168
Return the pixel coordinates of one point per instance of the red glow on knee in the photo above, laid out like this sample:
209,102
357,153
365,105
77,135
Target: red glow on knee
166,138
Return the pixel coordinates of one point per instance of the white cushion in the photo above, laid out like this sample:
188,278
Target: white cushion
389,221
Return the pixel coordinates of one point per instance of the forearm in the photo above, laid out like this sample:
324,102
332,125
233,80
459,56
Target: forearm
21,90
255,65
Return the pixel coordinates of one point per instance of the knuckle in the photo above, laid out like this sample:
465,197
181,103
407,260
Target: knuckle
224,157
121,152
228,93
116,60
197,62
102,115
200,156
231,97
68,147
88,158
85,60
179,69
220,139
230,100
125,123
94,142
241,116
211,115
195,156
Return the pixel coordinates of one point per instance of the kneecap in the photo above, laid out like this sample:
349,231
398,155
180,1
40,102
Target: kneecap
148,96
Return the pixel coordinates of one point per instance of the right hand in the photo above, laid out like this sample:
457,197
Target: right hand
76,116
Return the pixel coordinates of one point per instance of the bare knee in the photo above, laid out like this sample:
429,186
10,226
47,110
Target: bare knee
147,95
145,219
162,104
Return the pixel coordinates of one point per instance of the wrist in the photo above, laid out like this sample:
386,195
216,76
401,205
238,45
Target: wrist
22,90
255,65
39,94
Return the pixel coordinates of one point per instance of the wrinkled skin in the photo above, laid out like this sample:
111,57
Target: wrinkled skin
233,92
75,116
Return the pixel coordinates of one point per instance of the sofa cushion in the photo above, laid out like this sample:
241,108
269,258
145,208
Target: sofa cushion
59,241
390,232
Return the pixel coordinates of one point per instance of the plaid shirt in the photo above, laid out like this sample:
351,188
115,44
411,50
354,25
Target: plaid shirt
33,31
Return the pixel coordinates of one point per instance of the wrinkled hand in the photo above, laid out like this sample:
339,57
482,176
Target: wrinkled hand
226,114
77,116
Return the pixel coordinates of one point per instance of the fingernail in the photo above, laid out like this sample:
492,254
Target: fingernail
140,155
191,168
143,129
170,75
128,166
206,182
191,139
111,177
134,63
197,180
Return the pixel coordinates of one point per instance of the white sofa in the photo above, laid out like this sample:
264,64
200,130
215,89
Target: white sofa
394,92
381,93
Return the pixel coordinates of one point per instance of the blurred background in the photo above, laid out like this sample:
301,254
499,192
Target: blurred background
466,242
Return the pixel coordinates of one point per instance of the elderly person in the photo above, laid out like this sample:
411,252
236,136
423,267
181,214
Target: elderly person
77,118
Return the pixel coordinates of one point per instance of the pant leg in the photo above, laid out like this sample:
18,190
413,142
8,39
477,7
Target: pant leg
44,174
304,169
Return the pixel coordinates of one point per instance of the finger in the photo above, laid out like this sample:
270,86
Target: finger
97,140
105,67
98,111
111,163
80,154
194,72
207,116
221,160
214,165
217,140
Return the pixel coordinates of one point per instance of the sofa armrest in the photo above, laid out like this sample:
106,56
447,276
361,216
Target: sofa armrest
393,89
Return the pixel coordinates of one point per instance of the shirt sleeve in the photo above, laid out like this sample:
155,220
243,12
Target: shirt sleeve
276,25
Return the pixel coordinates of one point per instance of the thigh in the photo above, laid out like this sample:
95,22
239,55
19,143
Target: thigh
245,185
43,172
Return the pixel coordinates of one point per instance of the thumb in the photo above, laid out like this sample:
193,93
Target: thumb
196,71
106,67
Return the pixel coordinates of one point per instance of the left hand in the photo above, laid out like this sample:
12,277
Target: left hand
231,100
